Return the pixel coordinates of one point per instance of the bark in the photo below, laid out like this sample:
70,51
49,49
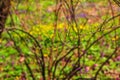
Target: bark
4,11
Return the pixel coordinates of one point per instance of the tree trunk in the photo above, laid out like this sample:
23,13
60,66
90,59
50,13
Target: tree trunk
4,11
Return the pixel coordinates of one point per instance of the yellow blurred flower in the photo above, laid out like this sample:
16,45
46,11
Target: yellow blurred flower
1,68
31,32
61,26
82,27
45,55
46,30
17,78
115,38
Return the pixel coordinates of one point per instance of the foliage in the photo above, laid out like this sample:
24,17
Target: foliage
49,39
